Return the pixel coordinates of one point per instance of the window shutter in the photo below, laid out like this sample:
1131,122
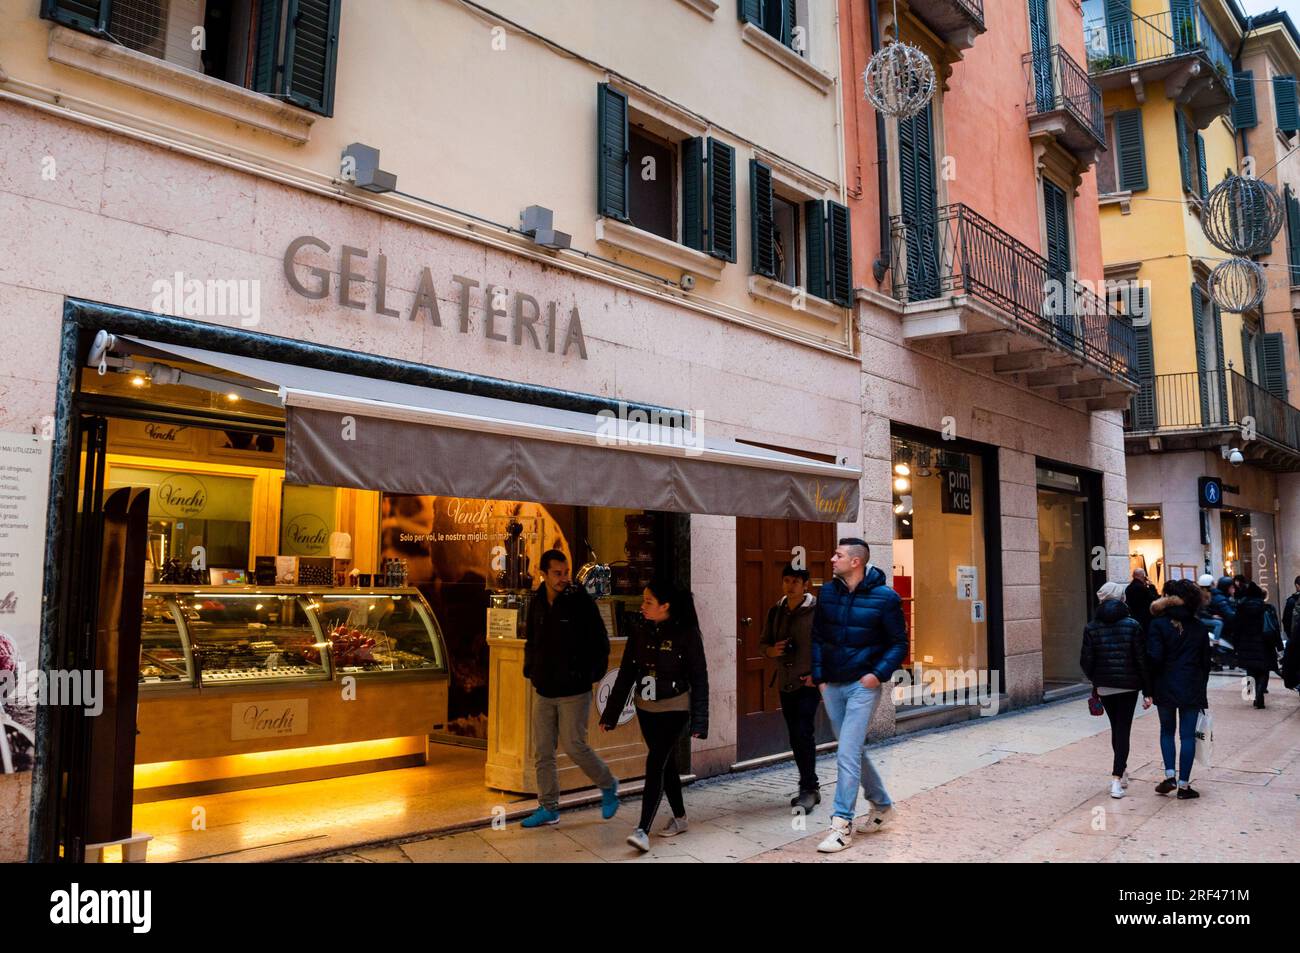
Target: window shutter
1220,365
839,255
1202,364
1246,346
789,19
611,152
1273,372
1144,401
1244,113
1119,29
1293,235
1284,98
1056,220
1184,160
311,43
751,11
1183,26
1203,177
814,218
761,250
693,184
266,45
722,201
1130,151
88,16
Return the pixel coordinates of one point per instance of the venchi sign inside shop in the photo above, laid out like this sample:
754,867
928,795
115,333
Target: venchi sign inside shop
509,316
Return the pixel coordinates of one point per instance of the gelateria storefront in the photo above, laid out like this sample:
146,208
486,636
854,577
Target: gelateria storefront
308,583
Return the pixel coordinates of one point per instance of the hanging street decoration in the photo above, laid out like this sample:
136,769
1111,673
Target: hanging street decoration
1238,285
900,80
1243,215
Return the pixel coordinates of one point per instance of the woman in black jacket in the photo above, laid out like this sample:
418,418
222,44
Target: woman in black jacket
1256,649
1178,653
1114,659
663,665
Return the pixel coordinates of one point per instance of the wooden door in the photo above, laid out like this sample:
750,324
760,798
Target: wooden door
763,547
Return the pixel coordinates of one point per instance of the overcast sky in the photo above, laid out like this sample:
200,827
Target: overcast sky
1262,6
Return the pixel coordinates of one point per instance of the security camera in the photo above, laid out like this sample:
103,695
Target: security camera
687,282
1235,457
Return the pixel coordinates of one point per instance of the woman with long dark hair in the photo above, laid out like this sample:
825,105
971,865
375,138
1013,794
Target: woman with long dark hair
663,666
1178,653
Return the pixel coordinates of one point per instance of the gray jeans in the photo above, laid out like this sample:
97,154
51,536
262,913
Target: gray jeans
565,720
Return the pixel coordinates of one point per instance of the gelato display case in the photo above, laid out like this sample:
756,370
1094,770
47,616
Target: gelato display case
246,687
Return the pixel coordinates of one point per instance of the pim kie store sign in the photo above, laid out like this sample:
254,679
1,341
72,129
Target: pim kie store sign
510,316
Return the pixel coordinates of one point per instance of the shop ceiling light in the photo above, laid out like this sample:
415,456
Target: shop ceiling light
902,484
902,469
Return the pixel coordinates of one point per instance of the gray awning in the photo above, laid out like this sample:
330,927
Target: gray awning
346,430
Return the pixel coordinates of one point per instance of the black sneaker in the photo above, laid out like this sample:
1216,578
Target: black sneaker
1186,794
1167,785
815,795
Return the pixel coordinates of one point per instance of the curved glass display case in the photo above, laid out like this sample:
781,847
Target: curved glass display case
222,635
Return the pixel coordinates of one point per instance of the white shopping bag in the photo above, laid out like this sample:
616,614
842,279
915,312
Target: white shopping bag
1204,739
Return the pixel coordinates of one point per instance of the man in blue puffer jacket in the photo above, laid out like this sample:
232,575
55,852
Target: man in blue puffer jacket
858,639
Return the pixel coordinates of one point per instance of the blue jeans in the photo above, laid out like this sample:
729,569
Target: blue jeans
1186,718
849,706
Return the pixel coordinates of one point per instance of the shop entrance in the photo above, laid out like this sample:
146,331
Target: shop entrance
763,547
1066,535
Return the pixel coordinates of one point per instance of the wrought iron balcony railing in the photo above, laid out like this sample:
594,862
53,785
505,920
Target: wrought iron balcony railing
1214,400
1057,83
961,252
972,10
1140,40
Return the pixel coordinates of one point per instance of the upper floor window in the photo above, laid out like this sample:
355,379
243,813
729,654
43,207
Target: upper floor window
780,19
284,48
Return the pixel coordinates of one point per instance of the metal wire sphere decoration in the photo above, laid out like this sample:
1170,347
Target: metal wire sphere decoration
1237,285
899,80
1242,215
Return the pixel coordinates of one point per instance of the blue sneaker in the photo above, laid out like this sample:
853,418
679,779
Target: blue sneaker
539,817
609,801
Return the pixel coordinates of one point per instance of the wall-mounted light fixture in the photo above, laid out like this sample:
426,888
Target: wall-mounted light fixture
360,167
538,223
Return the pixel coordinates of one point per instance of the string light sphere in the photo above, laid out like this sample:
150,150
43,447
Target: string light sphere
1237,285
1242,215
899,80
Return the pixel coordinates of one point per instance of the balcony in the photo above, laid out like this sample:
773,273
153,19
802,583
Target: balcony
956,22
1063,104
1006,310
1192,411
1188,55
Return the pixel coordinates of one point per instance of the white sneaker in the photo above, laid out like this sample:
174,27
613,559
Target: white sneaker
840,837
875,819
674,827
1123,782
1116,787
639,840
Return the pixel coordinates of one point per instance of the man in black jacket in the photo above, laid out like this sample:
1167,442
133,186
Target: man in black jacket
1288,611
567,649
1138,597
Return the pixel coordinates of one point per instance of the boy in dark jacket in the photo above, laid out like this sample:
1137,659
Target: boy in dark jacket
787,636
567,649
859,639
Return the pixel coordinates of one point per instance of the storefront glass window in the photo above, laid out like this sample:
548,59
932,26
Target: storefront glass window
1146,543
939,554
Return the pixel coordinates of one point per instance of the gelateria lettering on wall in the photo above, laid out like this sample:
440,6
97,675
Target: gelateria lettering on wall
509,316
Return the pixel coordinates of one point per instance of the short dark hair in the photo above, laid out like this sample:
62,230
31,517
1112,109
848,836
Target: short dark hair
1297,580
789,570
552,556
855,541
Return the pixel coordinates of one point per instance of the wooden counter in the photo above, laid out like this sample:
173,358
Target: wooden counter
511,755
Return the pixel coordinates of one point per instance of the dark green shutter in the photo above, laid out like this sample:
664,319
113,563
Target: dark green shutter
88,16
1293,235
839,255
916,183
1202,364
1182,24
1203,177
762,252
1130,149
1244,114
1246,346
1220,365
789,16
1144,401
693,185
1184,159
266,45
814,217
1057,221
751,11
1284,98
1119,30
722,201
1040,37
311,43
1273,349
611,152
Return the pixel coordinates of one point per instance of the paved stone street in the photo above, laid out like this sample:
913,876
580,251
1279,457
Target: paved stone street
1026,786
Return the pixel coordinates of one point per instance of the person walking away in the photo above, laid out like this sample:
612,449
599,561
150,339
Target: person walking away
1138,597
1288,611
1113,657
1259,638
1178,653
787,636
664,666
859,638
1291,658
566,650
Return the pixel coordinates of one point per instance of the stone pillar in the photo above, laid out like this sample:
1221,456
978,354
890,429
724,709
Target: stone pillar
1021,593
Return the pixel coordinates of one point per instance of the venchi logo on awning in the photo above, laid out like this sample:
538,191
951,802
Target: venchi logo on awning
511,316
837,505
